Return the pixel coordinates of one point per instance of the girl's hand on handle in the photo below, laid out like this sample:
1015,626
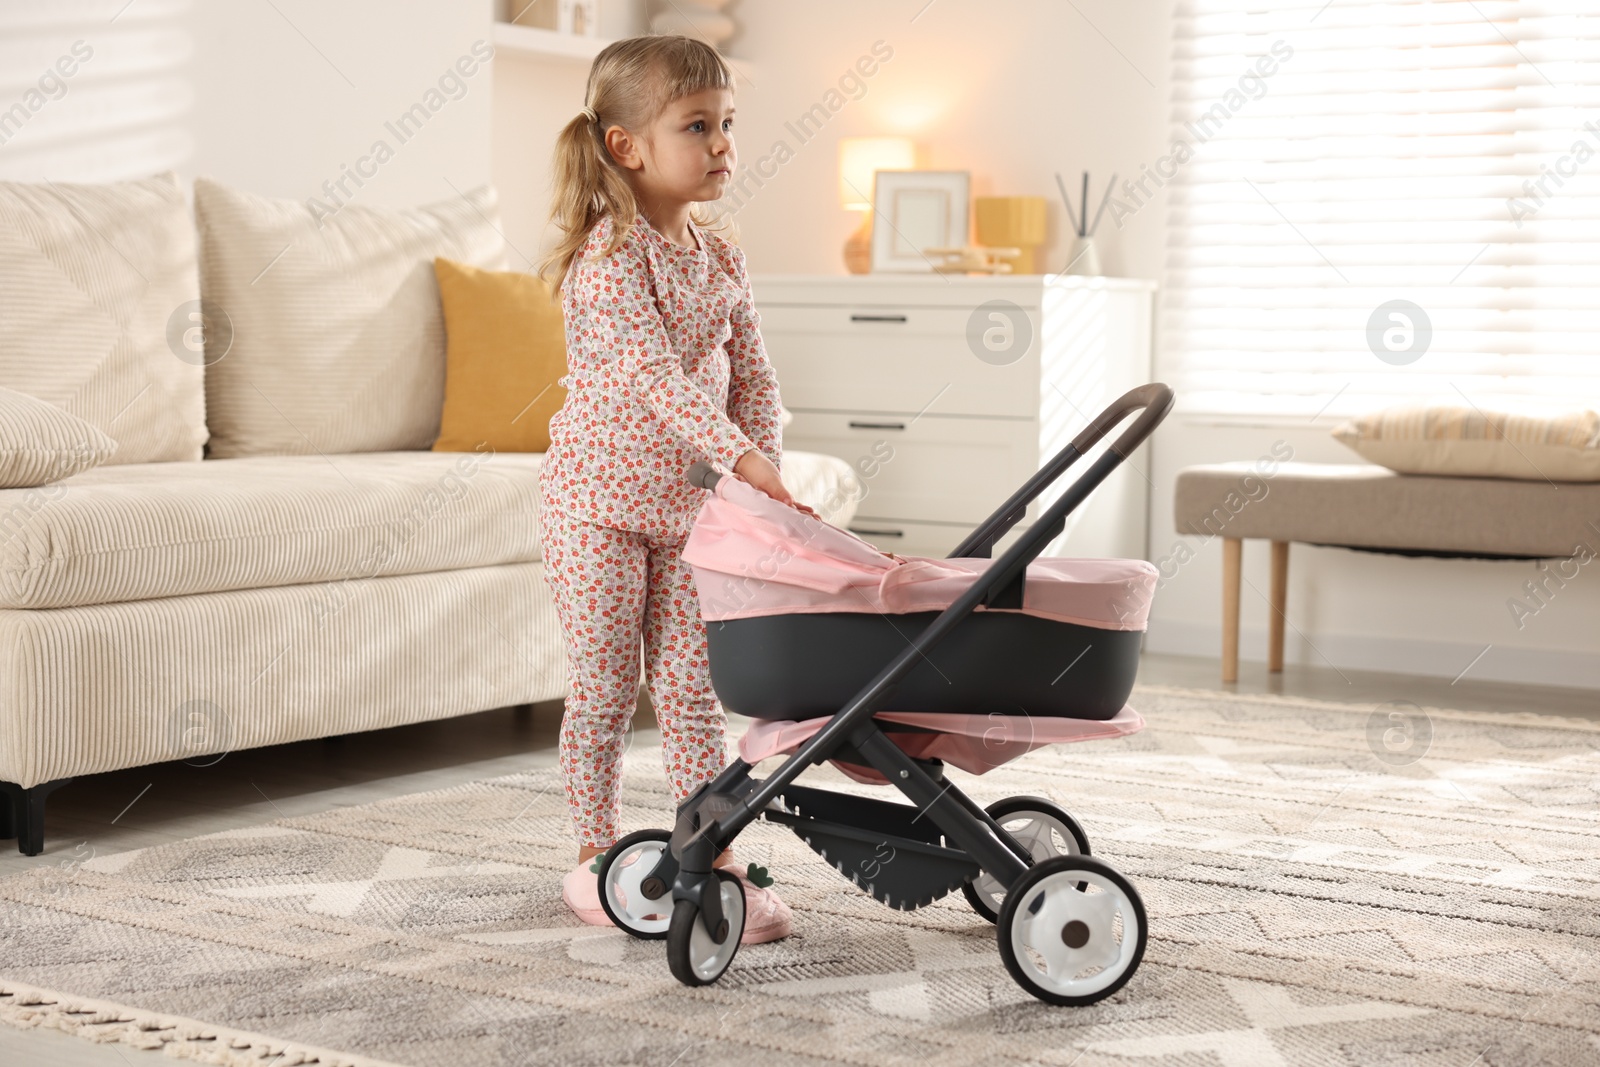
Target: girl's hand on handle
755,468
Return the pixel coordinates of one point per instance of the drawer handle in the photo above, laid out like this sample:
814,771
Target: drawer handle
877,318
875,533
856,425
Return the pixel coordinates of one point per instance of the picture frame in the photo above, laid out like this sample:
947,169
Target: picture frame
917,209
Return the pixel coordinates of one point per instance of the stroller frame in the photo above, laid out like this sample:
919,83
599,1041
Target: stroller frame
905,855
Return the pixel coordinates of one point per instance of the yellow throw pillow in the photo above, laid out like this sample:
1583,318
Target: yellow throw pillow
505,347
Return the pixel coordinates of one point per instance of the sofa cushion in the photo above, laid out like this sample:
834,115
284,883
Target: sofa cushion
40,443
99,288
330,335
507,349
147,530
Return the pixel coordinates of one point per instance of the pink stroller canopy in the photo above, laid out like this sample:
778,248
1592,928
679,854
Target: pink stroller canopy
754,556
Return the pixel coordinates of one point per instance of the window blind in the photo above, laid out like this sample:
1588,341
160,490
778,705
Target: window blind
1370,202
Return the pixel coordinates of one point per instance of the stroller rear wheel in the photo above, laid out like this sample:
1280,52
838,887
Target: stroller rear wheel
1041,826
696,958
1067,945
635,893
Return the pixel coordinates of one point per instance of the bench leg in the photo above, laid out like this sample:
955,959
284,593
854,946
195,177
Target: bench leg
1280,601
1232,555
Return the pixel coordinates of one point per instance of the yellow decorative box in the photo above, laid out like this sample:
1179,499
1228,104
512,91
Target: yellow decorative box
1012,220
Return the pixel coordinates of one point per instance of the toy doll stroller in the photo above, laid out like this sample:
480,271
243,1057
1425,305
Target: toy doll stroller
890,668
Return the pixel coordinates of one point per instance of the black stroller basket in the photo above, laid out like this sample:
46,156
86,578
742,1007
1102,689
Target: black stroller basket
1071,929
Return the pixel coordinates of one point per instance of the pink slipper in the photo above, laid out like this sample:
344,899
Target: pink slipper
766,918
580,888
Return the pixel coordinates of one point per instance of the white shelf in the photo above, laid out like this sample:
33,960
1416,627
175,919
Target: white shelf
513,40
531,42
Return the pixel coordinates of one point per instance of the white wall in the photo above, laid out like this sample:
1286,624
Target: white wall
533,98
93,90
293,92
274,98
1010,92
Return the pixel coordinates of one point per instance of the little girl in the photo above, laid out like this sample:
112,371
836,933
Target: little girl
665,367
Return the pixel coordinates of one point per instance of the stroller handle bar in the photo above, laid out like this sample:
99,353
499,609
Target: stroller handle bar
1156,401
703,475
1001,586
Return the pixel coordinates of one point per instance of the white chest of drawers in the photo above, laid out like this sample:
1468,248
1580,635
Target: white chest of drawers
946,393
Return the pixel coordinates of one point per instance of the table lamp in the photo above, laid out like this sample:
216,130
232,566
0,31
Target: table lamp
859,159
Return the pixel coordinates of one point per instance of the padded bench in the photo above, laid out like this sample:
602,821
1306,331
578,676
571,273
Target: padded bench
1371,508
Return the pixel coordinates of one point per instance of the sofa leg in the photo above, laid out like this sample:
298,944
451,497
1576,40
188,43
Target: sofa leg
1232,556
1280,603
23,814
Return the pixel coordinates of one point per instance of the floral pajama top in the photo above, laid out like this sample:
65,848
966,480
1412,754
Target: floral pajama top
665,366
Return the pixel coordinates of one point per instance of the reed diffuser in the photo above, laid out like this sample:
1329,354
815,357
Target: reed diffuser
1084,259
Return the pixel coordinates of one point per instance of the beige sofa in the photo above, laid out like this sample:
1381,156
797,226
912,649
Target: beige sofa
271,553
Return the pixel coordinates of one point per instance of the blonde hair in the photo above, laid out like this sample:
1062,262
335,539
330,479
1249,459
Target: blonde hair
630,83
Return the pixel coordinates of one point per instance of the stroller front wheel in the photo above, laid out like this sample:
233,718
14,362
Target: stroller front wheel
1067,945
696,958
636,883
1041,826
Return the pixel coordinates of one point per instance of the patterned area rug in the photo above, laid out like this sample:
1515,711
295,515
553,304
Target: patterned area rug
1326,884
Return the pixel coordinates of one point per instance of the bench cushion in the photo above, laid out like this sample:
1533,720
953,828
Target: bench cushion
1364,506
1556,444
145,530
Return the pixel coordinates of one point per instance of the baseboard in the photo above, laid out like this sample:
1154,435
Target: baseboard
1396,655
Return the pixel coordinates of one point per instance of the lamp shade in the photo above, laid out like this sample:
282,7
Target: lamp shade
859,157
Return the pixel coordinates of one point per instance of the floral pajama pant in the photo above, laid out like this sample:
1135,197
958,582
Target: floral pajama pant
619,594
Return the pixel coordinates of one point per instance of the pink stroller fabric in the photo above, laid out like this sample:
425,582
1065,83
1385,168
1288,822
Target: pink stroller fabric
753,556
975,743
